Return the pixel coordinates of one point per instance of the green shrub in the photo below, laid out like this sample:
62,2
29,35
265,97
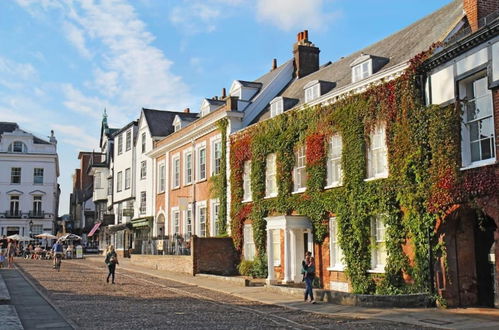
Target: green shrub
260,267
245,268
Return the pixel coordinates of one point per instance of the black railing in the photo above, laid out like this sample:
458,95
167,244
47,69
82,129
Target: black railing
36,214
13,214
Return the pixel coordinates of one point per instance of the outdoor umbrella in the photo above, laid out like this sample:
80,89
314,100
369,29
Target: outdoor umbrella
69,237
18,237
46,236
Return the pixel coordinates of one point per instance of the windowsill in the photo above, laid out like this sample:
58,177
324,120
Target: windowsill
481,163
384,176
187,184
247,201
201,180
270,196
336,269
376,271
334,185
41,184
299,191
176,188
160,192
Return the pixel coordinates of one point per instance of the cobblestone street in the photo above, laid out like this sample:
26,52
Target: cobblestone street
140,301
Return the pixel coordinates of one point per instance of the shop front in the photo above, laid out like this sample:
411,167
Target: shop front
141,238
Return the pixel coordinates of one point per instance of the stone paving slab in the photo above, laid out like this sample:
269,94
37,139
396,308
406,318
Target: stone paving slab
9,318
4,293
33,309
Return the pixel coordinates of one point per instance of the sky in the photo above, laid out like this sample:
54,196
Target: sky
63,61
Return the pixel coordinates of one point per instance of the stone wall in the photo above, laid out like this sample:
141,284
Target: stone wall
180,264
214,255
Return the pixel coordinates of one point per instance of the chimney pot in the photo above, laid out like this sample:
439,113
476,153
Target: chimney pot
298,36
274,64
187,110
224,93
306,35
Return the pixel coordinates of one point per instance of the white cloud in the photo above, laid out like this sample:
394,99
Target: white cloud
76,136
77,38
16,71
294,14
195,17
78,102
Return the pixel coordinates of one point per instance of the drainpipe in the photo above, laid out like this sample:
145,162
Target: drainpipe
430,262
194,178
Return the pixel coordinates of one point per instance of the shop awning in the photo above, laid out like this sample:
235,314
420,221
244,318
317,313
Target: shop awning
142,222
119,227
94,229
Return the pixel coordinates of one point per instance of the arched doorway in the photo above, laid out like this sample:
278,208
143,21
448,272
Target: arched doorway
464,276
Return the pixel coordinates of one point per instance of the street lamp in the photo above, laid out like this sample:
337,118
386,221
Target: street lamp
30,227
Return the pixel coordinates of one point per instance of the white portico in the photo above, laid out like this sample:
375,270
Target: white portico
293,228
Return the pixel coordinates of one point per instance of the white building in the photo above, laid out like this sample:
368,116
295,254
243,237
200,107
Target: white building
29,193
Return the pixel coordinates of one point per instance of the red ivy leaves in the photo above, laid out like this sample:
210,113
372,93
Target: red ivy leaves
315,151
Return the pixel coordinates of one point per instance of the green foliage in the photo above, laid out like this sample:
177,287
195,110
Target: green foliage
423,157
260,269
218,187
245,268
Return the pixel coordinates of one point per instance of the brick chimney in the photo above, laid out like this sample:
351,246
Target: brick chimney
306,55
478,9
187,110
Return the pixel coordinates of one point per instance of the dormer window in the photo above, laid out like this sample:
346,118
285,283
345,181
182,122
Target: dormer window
312,92
244,90
361,71
176,127
210,105
276,107
17,146
366,65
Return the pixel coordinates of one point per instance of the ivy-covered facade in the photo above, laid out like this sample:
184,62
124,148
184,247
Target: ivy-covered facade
363,171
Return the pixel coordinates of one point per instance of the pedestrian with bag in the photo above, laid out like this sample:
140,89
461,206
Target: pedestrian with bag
309,275
111,262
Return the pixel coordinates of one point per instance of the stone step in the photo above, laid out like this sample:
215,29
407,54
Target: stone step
4,293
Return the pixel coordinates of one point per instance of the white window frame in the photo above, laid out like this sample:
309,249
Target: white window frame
14,147
161,177
175,171
334,153
188,216
378,243
37,205
482,117
335,252
143,142
201,206
300,171
120,144
201,167
15,172
176,221
128,178
143,169
271,189
38,175
143,202
128,141
312,92
249,242
276,107
14,205
214,203
247,193
362,70
119,181
188,167
214,142
377,151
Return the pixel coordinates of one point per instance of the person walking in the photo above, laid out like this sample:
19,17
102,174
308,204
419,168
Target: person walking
309,274
111,262
11,252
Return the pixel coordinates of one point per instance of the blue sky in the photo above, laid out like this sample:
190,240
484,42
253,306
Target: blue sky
62,61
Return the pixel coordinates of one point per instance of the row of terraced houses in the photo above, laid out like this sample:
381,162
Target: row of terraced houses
336,158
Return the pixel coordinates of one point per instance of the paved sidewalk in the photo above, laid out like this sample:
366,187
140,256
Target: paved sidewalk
33,309
464,318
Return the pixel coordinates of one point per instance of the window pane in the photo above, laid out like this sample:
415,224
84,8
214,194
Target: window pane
486,148
475,151
473,131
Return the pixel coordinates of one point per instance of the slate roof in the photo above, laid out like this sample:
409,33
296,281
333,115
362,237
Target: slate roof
398,48
160,122
9,127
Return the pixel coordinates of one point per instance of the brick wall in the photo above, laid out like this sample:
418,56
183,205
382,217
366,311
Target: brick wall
180,264
213,255
477,9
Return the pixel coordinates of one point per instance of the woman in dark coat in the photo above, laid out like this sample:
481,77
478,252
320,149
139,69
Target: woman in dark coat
111,262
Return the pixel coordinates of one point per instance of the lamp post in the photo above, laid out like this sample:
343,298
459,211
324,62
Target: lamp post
30,228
